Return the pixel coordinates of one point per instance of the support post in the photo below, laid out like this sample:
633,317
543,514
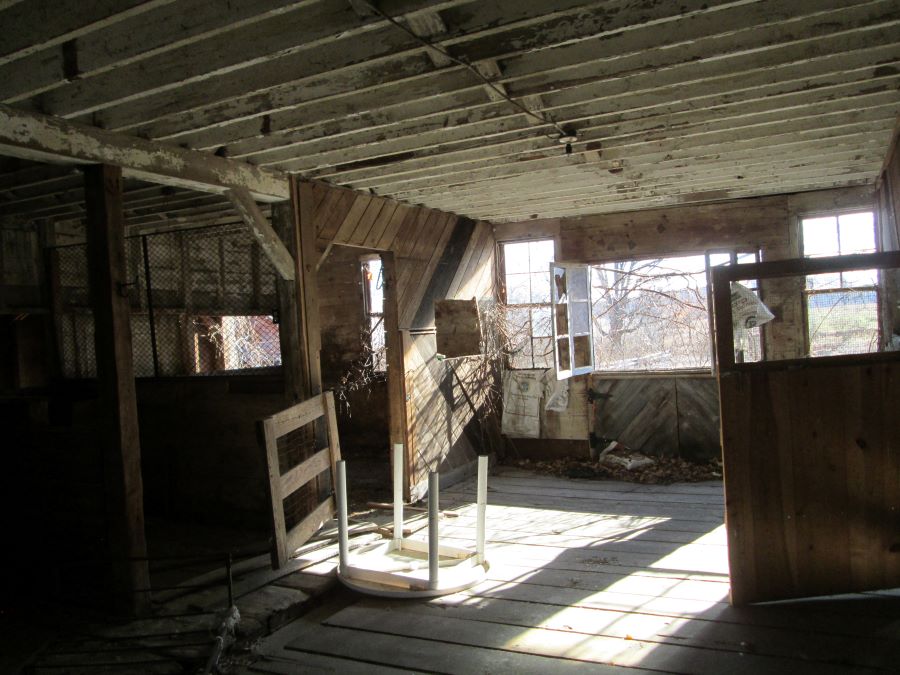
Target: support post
398,495
394,346
303,200
289,327
109,290
482,508
51,296
151,316
343,541
434,558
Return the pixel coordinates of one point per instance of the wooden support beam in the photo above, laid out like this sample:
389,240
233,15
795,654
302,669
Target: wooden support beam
32,26
43,138
289,326
51,293
302,194
396,384
109,288
271,245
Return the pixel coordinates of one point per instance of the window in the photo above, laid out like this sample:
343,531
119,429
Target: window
842,307
651,314
526,276
572,341
373,304
238,343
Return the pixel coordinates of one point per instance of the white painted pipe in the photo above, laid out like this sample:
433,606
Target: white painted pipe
434,559
482,508
398,495
343,538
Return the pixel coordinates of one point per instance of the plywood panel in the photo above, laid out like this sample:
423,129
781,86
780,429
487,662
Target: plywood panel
458,327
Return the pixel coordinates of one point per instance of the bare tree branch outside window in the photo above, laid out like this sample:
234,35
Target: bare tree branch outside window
651,314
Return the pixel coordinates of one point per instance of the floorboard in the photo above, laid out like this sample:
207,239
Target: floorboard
589,576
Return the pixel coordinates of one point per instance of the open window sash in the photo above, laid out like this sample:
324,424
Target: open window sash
573,339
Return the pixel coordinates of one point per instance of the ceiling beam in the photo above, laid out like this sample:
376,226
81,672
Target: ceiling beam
35,25
134,38
619,72
269,242
43,138
347,65
309,38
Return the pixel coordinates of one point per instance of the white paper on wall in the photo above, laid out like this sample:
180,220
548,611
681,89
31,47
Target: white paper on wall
556,393
521,403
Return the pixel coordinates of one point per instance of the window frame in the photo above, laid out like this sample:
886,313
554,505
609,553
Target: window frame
875,288
571,334
530,306
379,364
733,254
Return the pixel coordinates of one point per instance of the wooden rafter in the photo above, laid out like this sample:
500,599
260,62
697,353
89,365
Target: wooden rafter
43,138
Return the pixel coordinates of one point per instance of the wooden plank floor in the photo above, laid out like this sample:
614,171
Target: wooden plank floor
590,576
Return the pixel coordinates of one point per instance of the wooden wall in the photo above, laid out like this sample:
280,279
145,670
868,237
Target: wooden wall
812,462
20,265
887,197
767,224
200,454
662,416
362,414
438,255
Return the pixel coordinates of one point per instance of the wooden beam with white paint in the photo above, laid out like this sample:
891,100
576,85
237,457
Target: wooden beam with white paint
269,242
43,138
123,482
32,26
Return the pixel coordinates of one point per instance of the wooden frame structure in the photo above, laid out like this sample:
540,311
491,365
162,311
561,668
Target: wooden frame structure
723,276
811,451
282,485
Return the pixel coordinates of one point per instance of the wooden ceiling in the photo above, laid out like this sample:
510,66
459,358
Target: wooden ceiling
671,102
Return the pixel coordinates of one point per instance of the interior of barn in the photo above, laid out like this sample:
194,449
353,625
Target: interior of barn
634,253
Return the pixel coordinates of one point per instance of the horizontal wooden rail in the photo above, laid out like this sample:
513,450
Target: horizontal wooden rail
721,291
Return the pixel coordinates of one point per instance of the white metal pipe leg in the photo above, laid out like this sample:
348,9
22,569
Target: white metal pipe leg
433,535
343,538
398,495
482,508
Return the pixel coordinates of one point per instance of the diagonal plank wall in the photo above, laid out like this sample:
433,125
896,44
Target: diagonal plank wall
437,255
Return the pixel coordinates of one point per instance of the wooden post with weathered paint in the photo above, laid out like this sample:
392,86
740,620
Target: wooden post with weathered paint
109,289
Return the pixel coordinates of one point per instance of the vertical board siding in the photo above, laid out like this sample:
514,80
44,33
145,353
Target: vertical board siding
445,407
812,467
419,238
671,416
438,255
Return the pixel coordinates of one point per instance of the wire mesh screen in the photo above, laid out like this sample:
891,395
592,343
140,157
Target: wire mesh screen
75,324
294,448
202,301
842,321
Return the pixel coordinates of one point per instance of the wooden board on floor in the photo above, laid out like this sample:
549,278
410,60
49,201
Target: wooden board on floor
573,589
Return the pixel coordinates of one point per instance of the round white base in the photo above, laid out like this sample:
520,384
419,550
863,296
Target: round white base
389,569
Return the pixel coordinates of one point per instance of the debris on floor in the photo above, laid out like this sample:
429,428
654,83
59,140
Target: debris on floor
660,470
615,455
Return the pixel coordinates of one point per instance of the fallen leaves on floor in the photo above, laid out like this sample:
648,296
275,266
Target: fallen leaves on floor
663,471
